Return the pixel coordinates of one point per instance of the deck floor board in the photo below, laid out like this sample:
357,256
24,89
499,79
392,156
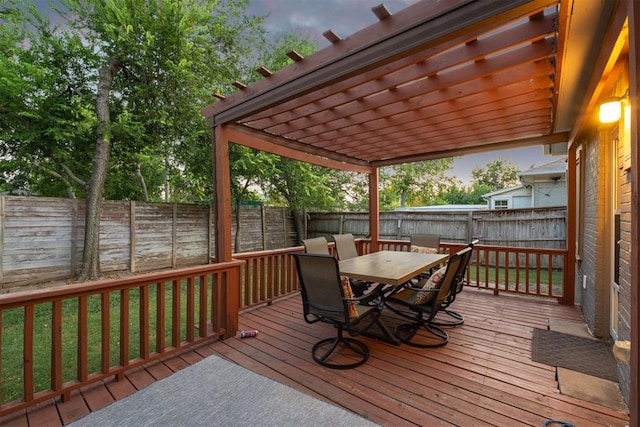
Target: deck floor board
483,376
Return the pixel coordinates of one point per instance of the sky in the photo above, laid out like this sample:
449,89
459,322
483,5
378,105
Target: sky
311,18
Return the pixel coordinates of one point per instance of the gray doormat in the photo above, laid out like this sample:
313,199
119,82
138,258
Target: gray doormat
589,356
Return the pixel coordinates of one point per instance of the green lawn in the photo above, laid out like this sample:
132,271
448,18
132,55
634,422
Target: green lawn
489,276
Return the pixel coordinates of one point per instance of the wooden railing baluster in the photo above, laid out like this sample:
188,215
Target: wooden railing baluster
83,337
175,314
202,313
28,351
161,317
144,321
124,328
56,346
106,332
191,298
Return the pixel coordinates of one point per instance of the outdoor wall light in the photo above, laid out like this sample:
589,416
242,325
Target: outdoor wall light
611,108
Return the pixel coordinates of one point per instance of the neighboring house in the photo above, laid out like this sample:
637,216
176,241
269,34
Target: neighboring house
541,186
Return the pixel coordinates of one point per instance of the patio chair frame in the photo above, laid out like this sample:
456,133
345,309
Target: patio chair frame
323,300
422,315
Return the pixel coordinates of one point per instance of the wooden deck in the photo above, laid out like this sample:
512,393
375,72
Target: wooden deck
483,376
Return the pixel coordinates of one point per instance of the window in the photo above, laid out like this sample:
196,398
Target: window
501,204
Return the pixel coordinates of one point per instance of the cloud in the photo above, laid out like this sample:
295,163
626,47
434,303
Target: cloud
313,17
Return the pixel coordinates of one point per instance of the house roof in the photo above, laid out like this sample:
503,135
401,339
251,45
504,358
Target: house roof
503,191
442,208
556,170
557,166
436,79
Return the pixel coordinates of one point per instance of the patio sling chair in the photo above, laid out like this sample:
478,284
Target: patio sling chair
425,243
424,303
346,249
327,298
316,245
431,241
319,245
458,319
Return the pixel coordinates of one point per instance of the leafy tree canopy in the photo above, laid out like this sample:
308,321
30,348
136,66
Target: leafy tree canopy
170,62
414,184
496,175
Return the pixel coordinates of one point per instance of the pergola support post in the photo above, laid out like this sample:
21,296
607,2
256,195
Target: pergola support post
374,210
222,210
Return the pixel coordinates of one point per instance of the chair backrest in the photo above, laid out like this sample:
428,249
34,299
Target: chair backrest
316,245
322,294
345,246
449,280
463,266
426,240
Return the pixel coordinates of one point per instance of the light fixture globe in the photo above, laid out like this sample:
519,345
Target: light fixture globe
610,110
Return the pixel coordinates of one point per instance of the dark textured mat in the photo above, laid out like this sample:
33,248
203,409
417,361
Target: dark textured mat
591,357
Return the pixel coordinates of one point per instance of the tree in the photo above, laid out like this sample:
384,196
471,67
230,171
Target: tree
148,75
303,186
496,175
457,194
413,184
247,169
46,115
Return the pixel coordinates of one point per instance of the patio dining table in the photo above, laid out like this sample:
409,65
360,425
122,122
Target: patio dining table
389,267
392,268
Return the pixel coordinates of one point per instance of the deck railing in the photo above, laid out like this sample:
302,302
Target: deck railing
54,341
524,271
267,275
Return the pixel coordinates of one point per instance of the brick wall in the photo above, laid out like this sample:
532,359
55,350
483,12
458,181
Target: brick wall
597,203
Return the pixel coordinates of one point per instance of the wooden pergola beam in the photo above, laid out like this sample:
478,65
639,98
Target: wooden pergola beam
480,148
262,141
441,21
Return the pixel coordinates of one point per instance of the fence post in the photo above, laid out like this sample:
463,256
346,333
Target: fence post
132,236
264,227
209,232
74,242
174,237
284,227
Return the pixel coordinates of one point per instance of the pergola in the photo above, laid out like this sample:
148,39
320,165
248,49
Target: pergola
440,79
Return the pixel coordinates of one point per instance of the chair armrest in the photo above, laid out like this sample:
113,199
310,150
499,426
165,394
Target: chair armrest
418,287
358,299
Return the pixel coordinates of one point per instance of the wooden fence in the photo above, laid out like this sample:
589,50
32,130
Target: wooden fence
41,239
529,228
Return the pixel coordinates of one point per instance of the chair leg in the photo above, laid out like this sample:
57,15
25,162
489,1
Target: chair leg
407,331
357,347
458,319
